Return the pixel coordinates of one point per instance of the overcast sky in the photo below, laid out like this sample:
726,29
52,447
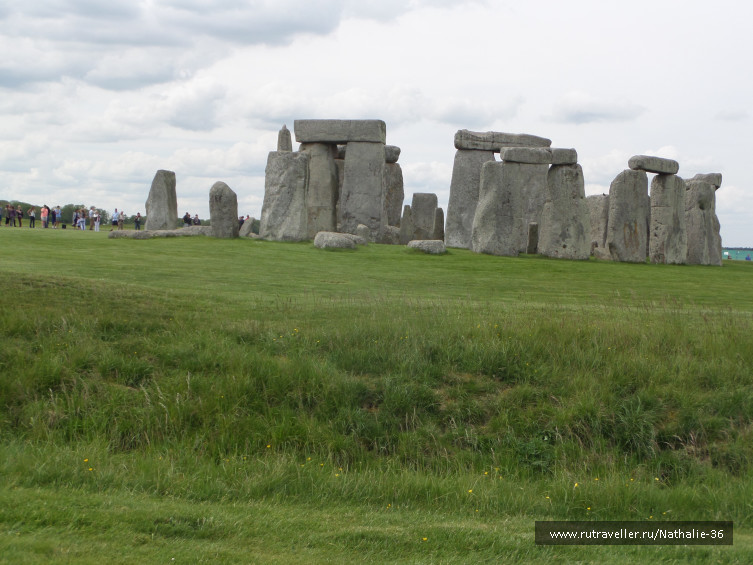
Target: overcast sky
96,96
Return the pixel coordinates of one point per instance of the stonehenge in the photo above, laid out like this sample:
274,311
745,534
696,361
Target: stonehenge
162,203
223,211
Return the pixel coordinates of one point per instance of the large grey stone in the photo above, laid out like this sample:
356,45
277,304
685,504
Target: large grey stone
284,141
322,191
533,238
162,203
464,189
711,178
389,235
340,164
702,225
284,216
246,229
424,210
565,223
563,156
363,178
333,240
393,193
627,227
223,211
430,246
146,234
391,153
498,221
533,189
598,212
668,239
653,164
406,226
363,232
439,224
357,239
530,155
340,131
494,140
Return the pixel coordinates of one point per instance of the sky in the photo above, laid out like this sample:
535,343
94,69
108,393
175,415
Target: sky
95,97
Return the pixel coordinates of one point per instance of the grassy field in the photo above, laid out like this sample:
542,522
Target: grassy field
188,400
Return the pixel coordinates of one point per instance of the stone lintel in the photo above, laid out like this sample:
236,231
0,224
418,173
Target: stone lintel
564,156
495,140
528,155
711,178
651,164
340,131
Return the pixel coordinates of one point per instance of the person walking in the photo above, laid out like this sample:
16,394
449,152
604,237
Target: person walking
137,221
96,220
44,214
32,217
58,214
115,217
20,216
121,220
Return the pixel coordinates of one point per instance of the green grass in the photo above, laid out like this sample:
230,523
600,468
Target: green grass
335,406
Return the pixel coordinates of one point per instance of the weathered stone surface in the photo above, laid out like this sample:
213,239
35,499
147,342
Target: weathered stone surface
223,211
530,155
363,232
494,140
668,240
653,164
565,222
598,212
389,235
498,221
394,193
340,164
627,227
424,209
702,225
464,189
341,150
711,178
146,234
333,240
322,192
439,224
562,156
363,178
357,239
533,238
533,188
284,216
162,202
406,225
430,246
284,141
391,153
247,228
340,131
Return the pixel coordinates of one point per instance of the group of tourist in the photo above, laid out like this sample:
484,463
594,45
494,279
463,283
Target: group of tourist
53,217
189,221
50,217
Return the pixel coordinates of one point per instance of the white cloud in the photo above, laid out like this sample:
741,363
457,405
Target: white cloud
579,107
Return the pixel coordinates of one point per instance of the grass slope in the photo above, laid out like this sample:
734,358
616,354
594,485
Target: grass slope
463,395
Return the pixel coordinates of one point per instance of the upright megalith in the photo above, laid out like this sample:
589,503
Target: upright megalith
533,238
322,192
498,221
162,202
565,222
406,225
439,224
474,149
363,179
704,242
284,216
424,210
393,193
627,226
668,240
223,211
598,212
284,141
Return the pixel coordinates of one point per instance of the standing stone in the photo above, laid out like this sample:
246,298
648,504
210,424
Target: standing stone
704,243
394,193
223,211
363,178
598,212
364,233
439,224
714,179
284,216
321,196
628,217
284,141
534,197
424,210
498,221
390,235
464,194
406,226
533,238
565,222
340,164
162,203
668,240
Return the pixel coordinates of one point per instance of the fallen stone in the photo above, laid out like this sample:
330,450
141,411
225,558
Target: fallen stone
391,153
423,209
322,191
598,212
393,193
147,234
439,224
333,240
406,225
363,179
533,238
389,235
714,179
340,131
246,229
529,155
357,239
668,239
565,222
494,140
430,246
561,156
284,216
627,226
464,190
284,141
223,211
363,232
162,202
653,164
